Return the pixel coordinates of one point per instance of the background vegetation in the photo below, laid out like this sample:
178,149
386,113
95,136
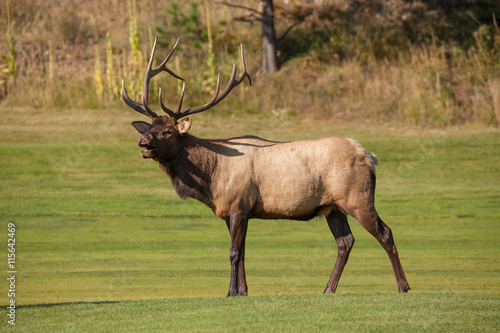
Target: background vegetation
415,62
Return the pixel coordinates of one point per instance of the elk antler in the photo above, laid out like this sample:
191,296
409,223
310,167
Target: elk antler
232,83
150,73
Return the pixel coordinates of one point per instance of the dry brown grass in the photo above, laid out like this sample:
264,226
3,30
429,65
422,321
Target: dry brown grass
431,87
435,84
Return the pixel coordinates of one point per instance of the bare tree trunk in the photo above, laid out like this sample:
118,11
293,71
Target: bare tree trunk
269,41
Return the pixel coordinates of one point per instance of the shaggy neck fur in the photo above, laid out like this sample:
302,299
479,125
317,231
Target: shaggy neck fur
191,168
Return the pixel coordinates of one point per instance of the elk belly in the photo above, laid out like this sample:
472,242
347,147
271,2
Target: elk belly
289,190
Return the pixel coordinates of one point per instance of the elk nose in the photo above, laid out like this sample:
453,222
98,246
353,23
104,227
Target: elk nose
144,140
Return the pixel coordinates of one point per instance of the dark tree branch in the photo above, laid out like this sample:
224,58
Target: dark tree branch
239,6
290,29
249,18
296,23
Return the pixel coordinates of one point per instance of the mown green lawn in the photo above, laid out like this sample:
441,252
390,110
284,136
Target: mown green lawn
104,244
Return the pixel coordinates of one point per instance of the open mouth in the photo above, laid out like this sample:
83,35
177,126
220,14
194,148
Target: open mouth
149,152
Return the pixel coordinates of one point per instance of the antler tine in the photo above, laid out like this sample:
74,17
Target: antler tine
134,105
163,67
178,112
147,78
203,107
165,109
232,83
244,67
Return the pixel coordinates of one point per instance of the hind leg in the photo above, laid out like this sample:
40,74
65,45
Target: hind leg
337,221
375,226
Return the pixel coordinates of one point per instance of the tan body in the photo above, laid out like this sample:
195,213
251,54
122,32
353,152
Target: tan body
281,180
248,177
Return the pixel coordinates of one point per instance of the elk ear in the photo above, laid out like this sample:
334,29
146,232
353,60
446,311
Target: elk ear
141,126
184,125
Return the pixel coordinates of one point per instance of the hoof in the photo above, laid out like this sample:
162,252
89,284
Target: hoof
233,294
404,290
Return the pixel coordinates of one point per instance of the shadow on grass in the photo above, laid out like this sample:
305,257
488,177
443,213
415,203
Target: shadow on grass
50,305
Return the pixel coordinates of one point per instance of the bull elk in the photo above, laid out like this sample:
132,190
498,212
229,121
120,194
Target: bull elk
246,177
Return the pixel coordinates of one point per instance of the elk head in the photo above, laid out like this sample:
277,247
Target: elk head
160,138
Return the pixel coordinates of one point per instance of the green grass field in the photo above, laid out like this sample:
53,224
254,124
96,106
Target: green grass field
104,244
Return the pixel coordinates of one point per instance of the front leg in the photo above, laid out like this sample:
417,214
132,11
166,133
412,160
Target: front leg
237,224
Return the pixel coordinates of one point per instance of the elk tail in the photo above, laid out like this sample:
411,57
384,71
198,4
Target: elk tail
373,158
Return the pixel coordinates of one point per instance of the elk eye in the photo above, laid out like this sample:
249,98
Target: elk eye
166,133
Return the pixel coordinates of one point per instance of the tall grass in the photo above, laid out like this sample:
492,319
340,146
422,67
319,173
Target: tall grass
8,68
430,85
343,76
